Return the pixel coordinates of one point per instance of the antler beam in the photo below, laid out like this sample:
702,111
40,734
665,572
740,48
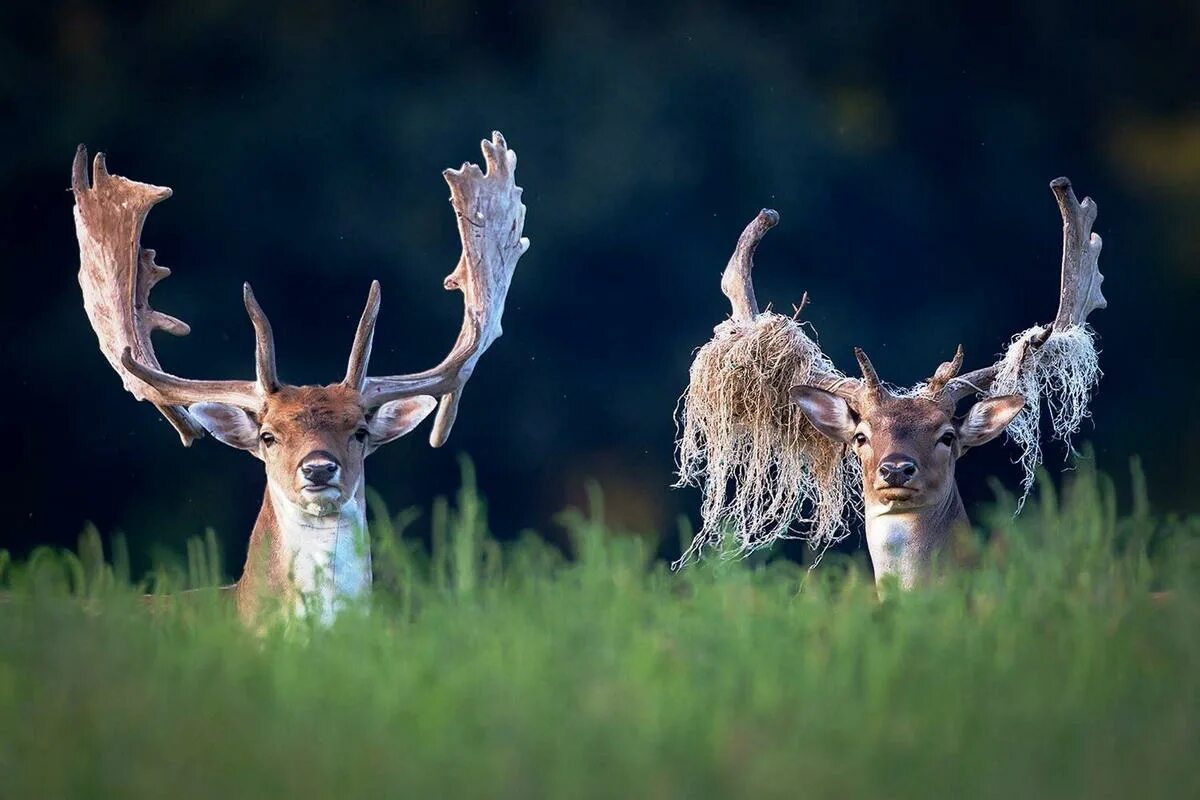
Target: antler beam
737,281
182,391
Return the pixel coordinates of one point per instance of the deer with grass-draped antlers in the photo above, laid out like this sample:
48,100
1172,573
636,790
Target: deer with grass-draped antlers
906,442
308,548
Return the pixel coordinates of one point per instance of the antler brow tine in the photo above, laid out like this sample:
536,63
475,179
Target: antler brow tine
364,335
264,343
870,376
945,372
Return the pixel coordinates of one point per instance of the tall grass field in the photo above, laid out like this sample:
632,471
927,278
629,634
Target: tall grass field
1062,660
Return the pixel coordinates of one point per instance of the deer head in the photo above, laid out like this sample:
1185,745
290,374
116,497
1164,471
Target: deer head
907,445
312,439
908,442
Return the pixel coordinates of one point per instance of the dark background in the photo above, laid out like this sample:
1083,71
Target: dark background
907,149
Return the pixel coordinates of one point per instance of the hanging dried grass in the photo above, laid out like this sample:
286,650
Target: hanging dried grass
760,465
1063,372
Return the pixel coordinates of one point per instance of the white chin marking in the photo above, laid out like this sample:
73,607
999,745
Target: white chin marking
319,506
315,509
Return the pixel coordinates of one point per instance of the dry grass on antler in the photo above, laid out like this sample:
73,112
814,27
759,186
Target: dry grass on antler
1063,371
761,467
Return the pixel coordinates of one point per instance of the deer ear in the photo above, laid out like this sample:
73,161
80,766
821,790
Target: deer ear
228,424
829,414
396,418
988,418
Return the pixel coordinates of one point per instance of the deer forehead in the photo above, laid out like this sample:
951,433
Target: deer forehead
314,408
906,418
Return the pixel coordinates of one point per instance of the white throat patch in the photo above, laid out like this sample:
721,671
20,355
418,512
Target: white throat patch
891,538
329,557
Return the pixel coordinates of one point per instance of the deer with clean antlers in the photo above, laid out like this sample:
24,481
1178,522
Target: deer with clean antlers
309,544
906,442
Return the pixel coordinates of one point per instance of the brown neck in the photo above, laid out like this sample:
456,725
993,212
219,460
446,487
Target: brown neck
906,543
302,562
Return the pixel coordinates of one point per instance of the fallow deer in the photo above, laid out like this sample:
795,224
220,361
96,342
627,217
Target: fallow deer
309,543
908,443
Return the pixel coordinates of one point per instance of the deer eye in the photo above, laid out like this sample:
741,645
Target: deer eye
860,439
361,434
267,438
947,439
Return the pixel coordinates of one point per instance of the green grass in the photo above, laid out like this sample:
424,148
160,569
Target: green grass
1047,670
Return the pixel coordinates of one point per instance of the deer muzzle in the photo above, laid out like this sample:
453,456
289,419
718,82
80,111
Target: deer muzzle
319,470
897,471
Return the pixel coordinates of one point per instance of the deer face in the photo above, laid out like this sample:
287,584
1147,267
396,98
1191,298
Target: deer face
907,445
313,439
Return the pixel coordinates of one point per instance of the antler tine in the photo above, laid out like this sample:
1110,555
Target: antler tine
737,282
79,176
1079,286
946,371
364,335
491,218
870,381
264,343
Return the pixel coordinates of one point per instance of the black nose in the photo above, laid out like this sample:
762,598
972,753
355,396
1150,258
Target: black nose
897,470
319,473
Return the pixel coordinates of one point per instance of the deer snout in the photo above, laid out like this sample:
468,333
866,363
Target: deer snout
896,471
319,469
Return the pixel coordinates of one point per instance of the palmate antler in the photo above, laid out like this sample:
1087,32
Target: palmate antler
116,275
491,219
1079,296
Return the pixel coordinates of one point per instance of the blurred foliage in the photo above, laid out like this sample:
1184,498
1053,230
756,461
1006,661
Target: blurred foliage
907,149
1062,664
